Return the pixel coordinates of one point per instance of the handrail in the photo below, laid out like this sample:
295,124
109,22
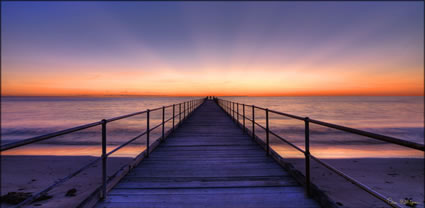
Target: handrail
46,136
352,180
126,143
124,116
188,108
70,130
287,115
380,137
389,139
274,134
229,108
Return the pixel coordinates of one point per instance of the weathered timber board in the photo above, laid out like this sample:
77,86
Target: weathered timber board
208,162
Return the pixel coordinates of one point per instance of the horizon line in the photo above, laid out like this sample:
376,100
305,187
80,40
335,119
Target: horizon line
304,95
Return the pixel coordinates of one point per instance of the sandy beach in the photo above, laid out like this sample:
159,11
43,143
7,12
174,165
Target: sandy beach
34,173
395,178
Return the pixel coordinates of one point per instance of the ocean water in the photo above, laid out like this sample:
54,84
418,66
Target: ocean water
401,117
397,116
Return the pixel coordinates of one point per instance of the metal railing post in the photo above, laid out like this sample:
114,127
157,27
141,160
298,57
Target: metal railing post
233,111
237,113
180,113
173,115
104,158
228,108
267,132
163,122
243,116
253,122
184,110
307,155
147,133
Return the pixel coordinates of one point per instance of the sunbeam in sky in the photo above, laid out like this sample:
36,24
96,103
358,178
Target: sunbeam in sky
216,48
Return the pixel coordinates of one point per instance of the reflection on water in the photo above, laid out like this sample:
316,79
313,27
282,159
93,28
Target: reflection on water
401,117
398,116
351,151
68,150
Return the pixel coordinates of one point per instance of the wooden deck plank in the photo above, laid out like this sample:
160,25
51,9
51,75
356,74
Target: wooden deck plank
229,190
208,162
274,199
202,165
137,183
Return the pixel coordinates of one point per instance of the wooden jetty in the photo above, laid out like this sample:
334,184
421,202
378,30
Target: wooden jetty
211,156
208,162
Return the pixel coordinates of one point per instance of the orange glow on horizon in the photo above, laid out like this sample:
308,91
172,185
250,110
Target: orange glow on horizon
221,94
264,50
231,82
329,152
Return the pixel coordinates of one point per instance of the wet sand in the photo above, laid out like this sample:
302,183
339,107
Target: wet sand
34,173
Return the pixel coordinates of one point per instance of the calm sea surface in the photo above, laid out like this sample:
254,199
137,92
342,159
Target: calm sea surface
401,117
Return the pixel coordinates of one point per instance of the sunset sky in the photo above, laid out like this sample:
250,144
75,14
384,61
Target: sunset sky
212,48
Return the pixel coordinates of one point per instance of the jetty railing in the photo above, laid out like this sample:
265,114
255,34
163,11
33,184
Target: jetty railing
233,110
184,110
